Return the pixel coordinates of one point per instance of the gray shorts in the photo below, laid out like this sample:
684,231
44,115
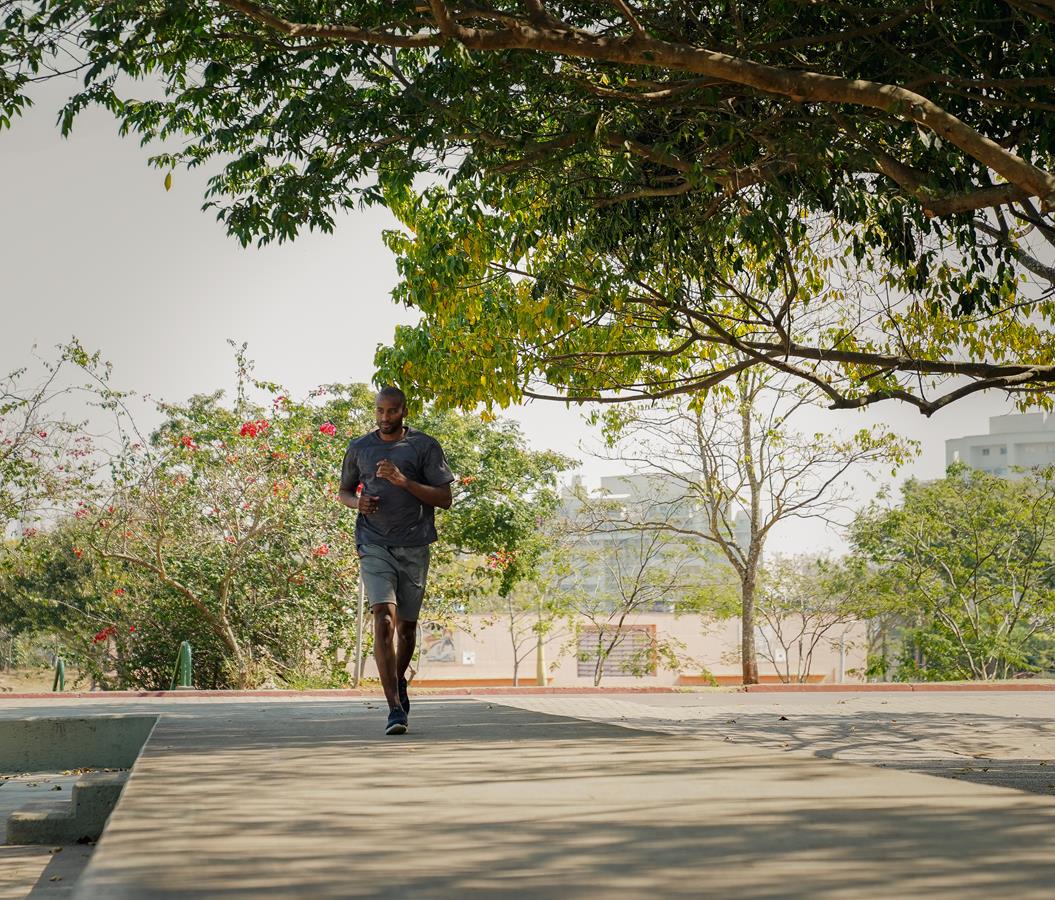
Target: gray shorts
395,575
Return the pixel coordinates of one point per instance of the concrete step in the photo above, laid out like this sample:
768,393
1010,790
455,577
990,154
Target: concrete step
80,818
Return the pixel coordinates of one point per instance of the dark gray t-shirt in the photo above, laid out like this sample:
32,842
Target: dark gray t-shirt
401,520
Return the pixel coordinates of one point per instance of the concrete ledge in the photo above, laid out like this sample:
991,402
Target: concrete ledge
54,745
81,818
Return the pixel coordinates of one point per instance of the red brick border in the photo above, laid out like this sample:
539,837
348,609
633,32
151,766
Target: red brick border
897,687
337,694
464,691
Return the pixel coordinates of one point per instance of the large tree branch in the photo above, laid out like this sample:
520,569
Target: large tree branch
645,51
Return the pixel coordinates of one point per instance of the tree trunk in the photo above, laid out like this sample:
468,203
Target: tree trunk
540,649
748,655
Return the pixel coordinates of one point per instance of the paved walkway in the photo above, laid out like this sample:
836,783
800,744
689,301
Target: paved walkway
487,799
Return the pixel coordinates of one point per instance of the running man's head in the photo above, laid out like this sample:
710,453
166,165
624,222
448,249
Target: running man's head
390,409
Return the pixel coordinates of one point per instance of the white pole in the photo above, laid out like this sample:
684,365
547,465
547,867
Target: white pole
359,634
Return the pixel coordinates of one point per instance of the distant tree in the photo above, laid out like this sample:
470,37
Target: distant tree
969,561
737,468
804,603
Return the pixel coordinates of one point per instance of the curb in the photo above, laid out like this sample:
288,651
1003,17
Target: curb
335,694
895,688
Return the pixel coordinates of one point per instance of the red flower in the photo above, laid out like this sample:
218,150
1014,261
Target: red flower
131,628
104,634
119,592
81,513
128,534
328,428
78,552
500,559
29,532
321,550
43,434
468,479
188,442
252,429
230,539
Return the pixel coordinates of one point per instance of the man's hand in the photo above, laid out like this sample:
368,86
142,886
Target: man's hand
368,504
389,471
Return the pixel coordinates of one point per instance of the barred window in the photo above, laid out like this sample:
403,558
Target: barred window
633,654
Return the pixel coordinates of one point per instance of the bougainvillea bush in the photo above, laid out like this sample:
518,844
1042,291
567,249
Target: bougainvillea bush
223,528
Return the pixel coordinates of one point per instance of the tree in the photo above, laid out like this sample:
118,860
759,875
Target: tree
737,468
532,609
607,173
804,602
971,558
44,456
620,573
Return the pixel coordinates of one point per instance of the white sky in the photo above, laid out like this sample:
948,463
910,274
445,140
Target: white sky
91,245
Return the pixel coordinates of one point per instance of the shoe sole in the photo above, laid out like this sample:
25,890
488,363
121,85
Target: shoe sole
396,728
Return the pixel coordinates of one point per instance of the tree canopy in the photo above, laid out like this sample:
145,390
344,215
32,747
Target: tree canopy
615,200
968,564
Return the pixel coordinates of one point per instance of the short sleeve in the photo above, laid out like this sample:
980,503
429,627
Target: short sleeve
350,475
437,472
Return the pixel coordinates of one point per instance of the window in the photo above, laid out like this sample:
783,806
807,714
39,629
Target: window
1003,451
633,654
985,451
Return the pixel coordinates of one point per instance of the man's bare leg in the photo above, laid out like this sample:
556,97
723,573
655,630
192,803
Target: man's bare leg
385,651
407,635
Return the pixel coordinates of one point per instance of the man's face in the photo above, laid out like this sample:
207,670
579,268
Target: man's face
390,413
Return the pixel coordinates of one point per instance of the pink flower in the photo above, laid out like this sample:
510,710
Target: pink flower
43,434
279,400
328,428
29,532
81,513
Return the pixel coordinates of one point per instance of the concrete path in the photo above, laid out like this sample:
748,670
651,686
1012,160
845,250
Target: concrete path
704,795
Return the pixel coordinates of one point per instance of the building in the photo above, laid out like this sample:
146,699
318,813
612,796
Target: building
1019,441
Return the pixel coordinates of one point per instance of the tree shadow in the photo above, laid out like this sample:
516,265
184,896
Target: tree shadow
484,800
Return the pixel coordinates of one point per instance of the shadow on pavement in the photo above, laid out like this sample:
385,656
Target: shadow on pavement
483,800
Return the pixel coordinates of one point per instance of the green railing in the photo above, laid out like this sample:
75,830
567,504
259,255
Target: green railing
181,675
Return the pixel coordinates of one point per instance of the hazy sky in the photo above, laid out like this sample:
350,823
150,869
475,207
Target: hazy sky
92,245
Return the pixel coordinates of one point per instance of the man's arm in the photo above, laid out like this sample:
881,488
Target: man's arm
352,500
432,495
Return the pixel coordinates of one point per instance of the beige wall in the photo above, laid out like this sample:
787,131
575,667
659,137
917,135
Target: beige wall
481,652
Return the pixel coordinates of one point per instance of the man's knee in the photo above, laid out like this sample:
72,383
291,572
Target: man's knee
384,618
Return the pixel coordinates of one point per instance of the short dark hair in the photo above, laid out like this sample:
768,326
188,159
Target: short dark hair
393,393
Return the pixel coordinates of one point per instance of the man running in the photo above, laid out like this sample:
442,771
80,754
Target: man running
404,477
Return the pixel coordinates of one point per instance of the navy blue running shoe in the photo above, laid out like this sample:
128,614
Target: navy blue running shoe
397,722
